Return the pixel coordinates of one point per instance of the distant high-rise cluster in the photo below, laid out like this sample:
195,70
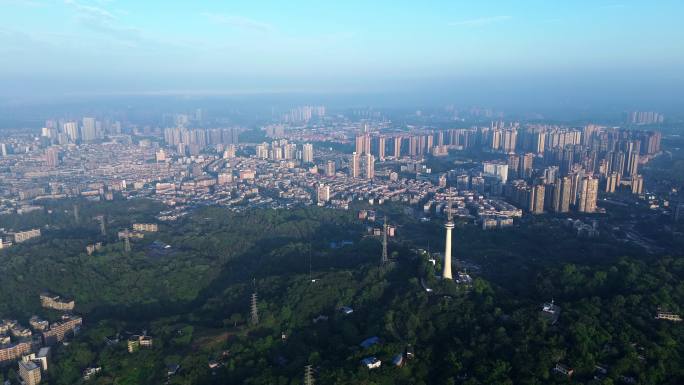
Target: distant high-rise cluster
303,114
274,130
71,131
502,137
195,118
570,164
284,150
563,194
539,139
645,117
357,163
529,197
520,165
193,141
509,138
412,145
472,113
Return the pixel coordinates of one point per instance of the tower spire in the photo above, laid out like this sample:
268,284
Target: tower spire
77,219
309,378
310,277
385,259
127,242
254,309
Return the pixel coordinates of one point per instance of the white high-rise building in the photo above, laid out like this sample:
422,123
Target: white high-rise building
370,166
397,147
330,168
307,153
354,166
277,153
322,194
289,151
588,192
52,157
381,148
360,144
89,130
46,132
262,151
71,129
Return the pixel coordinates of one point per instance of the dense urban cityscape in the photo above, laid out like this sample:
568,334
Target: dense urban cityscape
367,193
536,167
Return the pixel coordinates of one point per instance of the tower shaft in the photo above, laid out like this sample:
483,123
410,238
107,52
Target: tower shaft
446,273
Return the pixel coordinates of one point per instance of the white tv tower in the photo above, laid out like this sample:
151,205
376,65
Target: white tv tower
449,225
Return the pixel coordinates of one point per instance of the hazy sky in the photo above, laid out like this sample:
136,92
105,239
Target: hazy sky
116,46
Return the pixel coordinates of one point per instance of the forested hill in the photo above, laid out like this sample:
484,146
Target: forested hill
147,278
193,298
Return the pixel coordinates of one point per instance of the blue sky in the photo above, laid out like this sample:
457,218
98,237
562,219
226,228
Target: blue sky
111,46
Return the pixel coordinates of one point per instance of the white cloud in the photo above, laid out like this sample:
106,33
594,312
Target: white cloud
101,20
240,22
90,10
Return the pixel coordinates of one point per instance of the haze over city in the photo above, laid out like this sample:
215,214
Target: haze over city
576,53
